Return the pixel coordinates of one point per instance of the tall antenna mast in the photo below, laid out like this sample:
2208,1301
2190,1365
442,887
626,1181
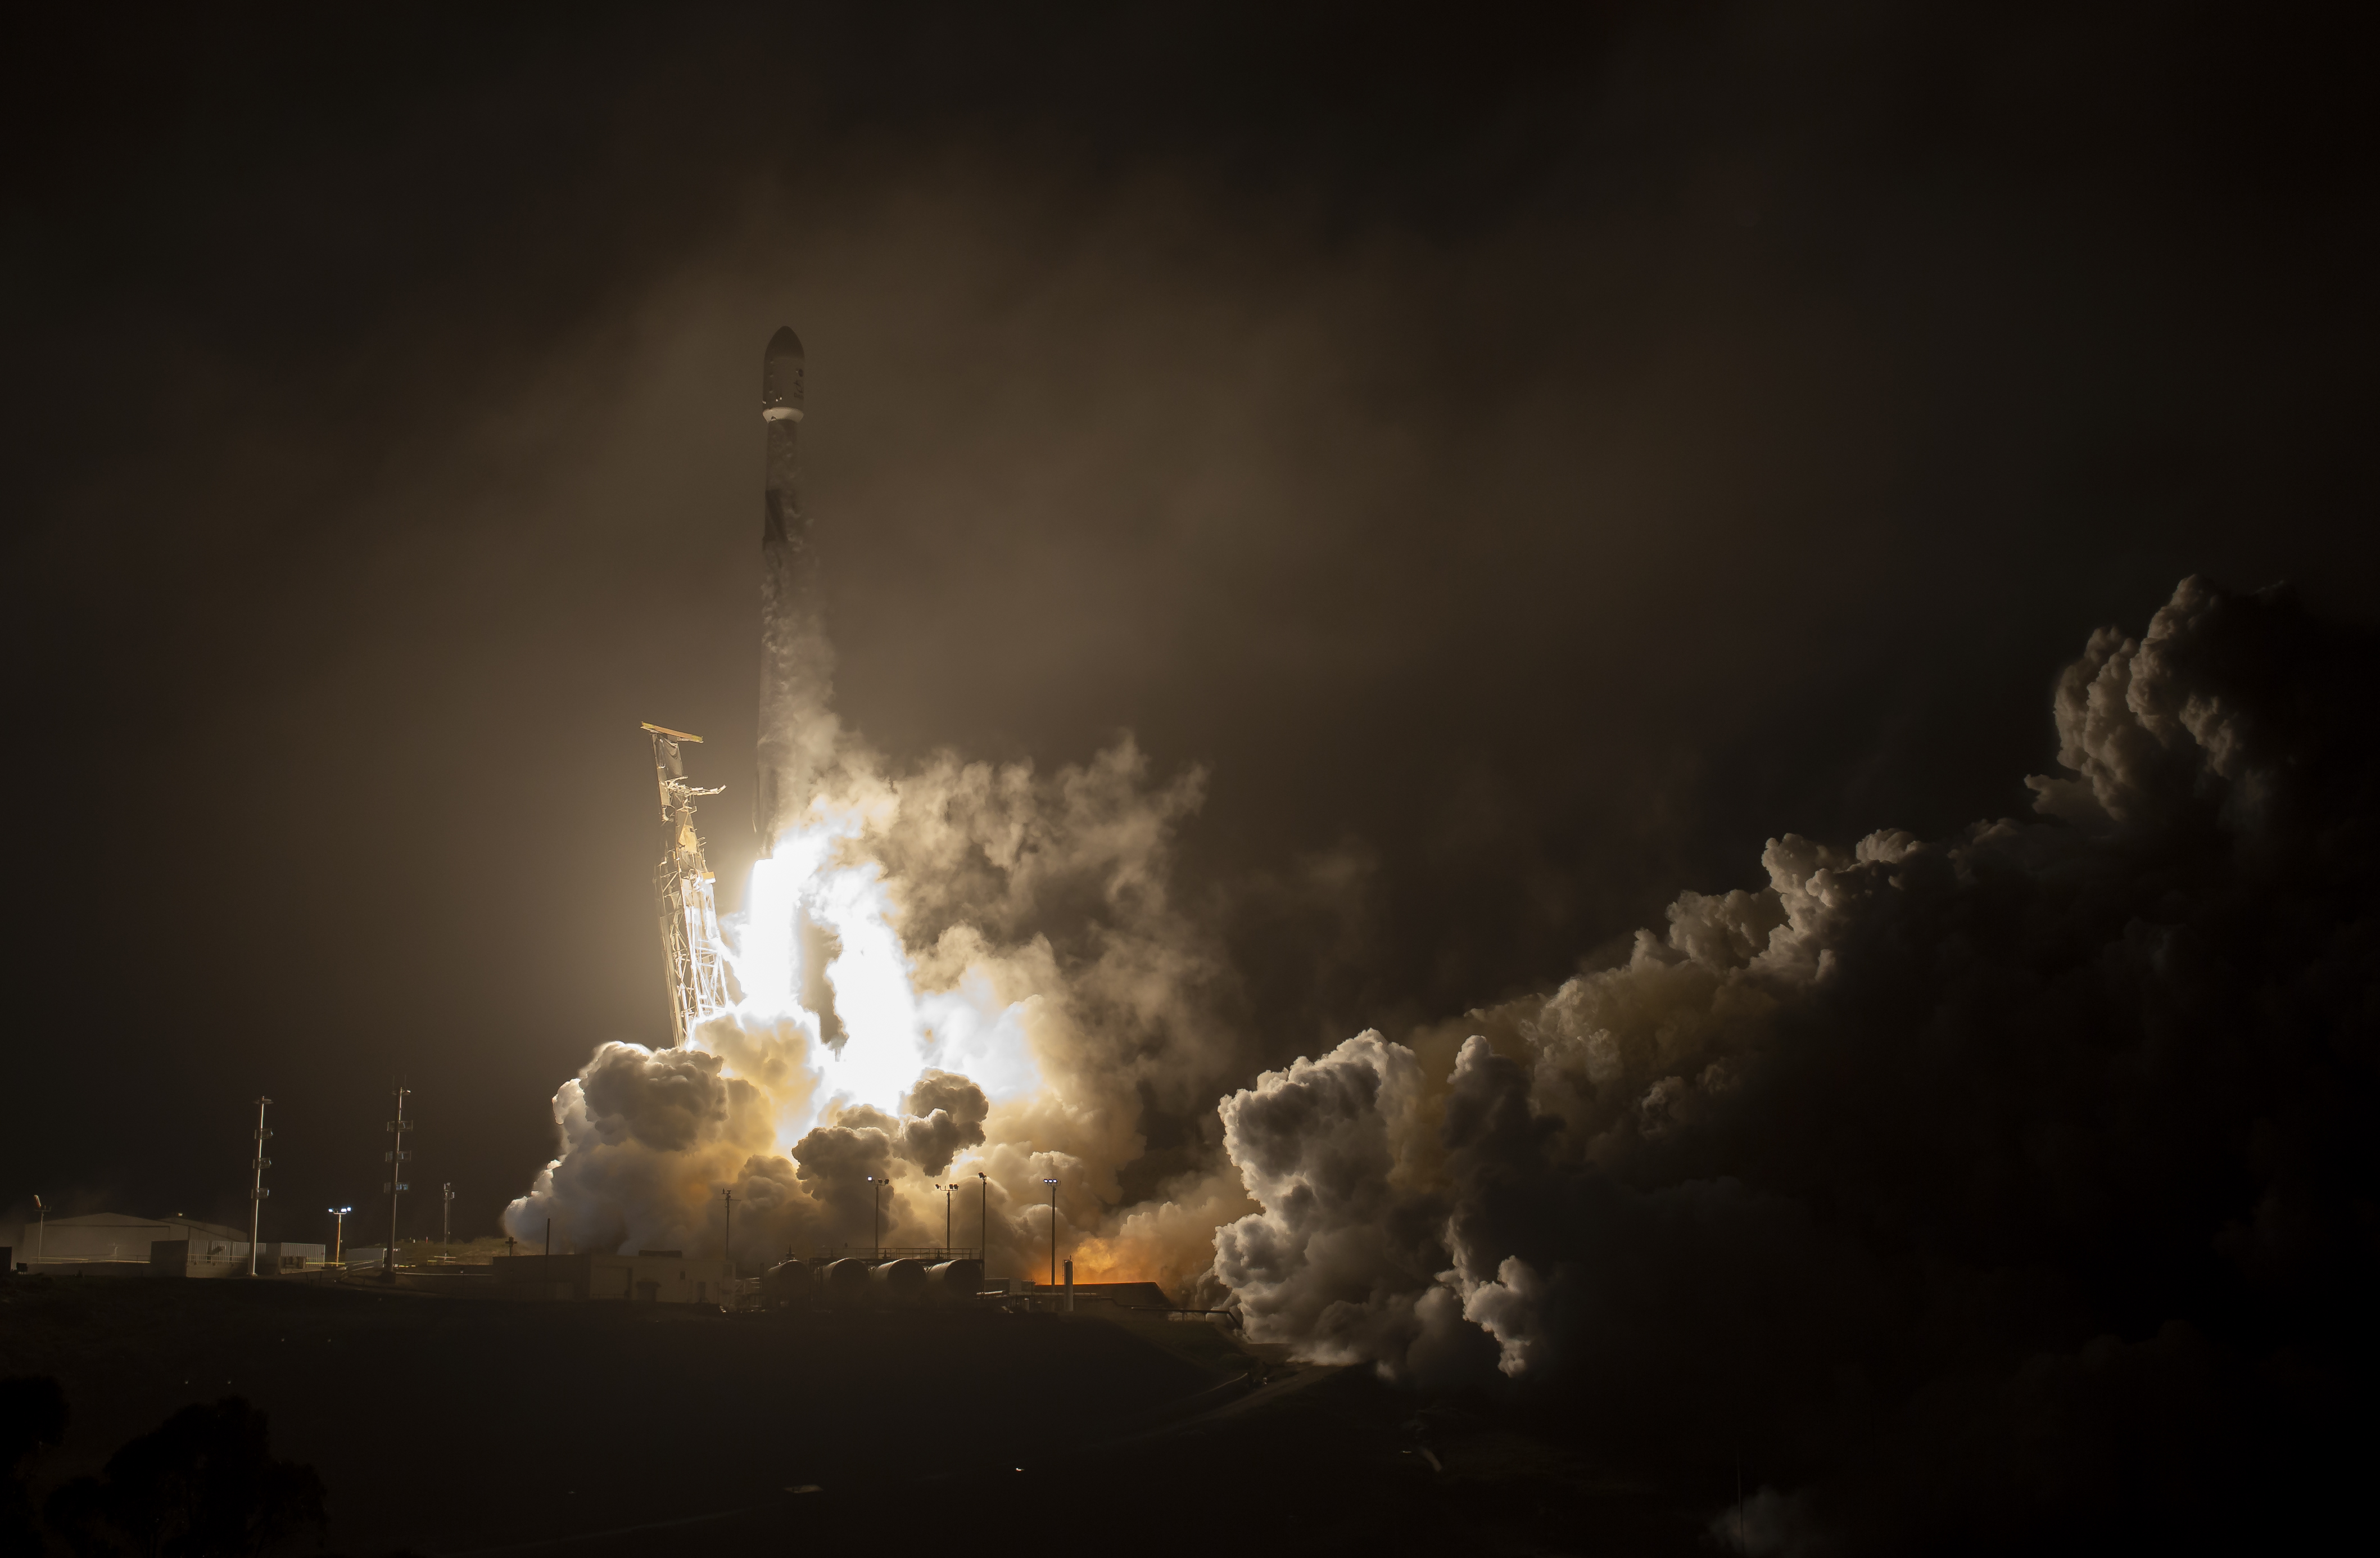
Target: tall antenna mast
396,1185
257,1192
692,948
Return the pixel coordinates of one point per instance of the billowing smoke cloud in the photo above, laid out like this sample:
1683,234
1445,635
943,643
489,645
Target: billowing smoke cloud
1958,1184
944,1114
966,970
1961,1185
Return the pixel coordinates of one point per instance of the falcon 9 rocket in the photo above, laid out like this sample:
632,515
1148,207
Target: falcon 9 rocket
797,726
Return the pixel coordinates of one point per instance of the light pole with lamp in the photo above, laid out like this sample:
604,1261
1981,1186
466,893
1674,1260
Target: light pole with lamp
876,1201
339,1233
1053,1231
983,1230
446,1218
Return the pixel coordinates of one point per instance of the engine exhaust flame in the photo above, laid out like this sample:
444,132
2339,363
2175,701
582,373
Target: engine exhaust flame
815,947
908,1006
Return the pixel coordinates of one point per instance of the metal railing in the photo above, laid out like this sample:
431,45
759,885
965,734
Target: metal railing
932,1254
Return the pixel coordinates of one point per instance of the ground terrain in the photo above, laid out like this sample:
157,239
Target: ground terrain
451,1426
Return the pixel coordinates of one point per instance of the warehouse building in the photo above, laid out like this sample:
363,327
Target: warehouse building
115,1243
109,1243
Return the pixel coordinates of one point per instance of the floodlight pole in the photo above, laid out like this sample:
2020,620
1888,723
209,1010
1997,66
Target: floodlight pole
256,1190
339,1233
728,1239
446,1218
983,1231
42,1232
876,1201
1053,1230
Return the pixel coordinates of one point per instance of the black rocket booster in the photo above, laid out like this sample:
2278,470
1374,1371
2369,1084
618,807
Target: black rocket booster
797,725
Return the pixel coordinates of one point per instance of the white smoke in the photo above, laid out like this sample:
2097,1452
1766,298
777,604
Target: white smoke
963,970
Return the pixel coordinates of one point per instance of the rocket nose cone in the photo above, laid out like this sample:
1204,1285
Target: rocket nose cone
781,370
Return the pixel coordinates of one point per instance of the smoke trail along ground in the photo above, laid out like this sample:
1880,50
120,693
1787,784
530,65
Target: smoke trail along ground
1971,1182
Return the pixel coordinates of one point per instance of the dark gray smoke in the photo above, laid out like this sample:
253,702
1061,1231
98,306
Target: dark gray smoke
945,1116
1970,1188
820,948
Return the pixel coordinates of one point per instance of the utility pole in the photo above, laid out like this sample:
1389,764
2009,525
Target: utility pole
728,1197
446,1219
396,1185
256,1191
339,1233
1053,1230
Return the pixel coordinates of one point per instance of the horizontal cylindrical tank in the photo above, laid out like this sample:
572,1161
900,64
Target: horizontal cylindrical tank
788,1284
844,1281
954,1281
898,1281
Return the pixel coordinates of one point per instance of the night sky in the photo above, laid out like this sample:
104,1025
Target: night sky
1526,463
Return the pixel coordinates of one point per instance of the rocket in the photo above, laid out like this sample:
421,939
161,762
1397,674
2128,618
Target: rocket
797,725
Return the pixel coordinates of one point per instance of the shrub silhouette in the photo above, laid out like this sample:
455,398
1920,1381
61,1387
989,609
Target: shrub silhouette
32,1419
203,1485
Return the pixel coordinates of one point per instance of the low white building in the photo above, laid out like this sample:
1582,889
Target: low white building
113,1244
198,1257
282,1257
109,1243
228,1257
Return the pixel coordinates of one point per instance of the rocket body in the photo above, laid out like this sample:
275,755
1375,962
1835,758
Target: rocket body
797,724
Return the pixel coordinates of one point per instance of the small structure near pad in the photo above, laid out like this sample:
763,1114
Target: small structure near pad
649,1276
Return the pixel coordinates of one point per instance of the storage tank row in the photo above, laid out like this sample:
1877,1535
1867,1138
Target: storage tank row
856,1284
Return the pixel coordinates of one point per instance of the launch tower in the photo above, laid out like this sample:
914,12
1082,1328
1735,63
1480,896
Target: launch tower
691,945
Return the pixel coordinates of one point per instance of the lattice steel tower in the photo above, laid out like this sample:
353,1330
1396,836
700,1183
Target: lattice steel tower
691,945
